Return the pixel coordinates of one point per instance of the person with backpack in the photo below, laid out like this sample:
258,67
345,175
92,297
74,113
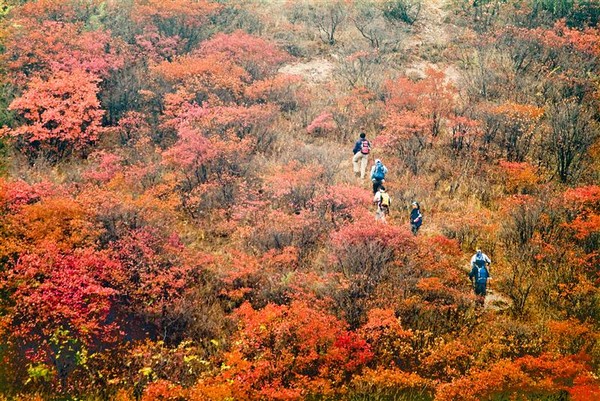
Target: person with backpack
361,151
480,273
378,172
383,201
416,218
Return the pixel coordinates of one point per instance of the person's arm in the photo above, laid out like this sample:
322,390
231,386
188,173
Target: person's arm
487,261
356,147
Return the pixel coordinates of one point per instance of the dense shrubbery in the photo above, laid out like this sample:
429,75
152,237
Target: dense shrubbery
179,221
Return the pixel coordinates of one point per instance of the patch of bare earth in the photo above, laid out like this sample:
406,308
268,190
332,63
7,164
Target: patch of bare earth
431,35
430,26
315,71
496,301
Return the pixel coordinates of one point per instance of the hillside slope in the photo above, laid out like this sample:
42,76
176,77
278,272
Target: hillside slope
181,219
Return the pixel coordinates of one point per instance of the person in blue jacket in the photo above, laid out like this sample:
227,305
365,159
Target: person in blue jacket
378,172
480,273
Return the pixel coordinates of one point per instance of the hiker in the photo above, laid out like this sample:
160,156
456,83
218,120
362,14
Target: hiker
378,172
383,201
416,218
361,151
480,274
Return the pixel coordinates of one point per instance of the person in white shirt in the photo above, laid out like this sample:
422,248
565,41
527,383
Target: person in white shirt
383,201
480,273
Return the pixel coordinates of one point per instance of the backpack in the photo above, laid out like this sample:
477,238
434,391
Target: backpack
378,174
385,199
482,274
365,147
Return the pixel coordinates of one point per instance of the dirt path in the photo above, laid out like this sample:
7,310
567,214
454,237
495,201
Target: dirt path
431,24
433,36
496,301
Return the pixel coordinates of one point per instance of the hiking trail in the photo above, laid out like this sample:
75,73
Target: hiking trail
433,36
430,38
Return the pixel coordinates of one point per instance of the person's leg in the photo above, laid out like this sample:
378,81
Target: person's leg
385,211
378,214
481,294
480,289
414,229
356,166
363,166
376,185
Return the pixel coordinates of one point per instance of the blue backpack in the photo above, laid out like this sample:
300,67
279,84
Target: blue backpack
378,174
482,274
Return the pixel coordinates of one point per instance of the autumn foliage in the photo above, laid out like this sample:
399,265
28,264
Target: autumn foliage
60,114
180,219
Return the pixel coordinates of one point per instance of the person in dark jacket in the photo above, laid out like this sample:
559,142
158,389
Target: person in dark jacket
361,151
416,218
480,274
